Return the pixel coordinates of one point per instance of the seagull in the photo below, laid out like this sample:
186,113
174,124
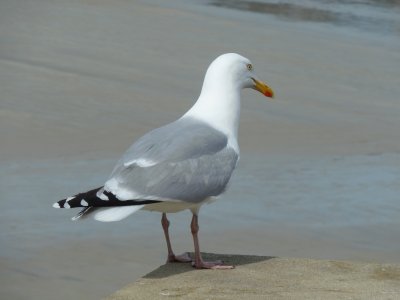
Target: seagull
183,164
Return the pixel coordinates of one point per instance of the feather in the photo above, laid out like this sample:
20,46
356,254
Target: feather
115,213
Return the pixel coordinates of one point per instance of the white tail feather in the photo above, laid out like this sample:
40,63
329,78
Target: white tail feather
114,214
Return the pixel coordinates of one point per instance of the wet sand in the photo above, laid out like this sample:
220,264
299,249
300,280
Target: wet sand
319,168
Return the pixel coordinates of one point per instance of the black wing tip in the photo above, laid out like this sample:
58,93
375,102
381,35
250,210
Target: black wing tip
90,199
62,204
82,214
78,200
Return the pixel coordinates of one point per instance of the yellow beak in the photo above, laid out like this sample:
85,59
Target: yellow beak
263,88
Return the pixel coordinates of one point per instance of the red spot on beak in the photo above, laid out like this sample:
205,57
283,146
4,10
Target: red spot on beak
269,94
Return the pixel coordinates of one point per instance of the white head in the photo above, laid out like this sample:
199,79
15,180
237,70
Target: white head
219,101
232,71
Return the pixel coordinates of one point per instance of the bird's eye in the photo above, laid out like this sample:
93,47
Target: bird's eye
249,67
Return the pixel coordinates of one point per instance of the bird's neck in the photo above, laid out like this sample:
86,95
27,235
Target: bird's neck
219,106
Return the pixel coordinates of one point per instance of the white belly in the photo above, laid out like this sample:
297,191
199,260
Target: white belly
175,206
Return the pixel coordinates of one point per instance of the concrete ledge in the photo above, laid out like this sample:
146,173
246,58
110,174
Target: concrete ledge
262,277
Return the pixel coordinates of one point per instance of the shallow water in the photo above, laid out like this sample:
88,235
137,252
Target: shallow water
376,17
319,169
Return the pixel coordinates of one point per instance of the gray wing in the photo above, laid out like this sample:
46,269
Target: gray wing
186,160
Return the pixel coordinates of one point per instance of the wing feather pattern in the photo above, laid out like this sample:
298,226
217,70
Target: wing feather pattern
186,160
190,161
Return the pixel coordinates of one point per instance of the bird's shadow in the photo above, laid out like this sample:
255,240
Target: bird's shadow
170,269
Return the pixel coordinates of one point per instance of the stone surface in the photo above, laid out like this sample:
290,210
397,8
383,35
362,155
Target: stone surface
262,277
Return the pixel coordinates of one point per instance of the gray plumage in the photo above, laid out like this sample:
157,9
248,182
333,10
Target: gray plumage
185,160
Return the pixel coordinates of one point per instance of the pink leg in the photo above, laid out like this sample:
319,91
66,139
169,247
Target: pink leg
198,262
171,256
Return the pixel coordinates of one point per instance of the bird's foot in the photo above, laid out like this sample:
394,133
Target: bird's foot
214,265
185,257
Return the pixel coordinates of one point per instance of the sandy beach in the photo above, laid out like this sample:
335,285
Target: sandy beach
81,80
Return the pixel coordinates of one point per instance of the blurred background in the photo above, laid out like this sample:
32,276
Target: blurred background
80,80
